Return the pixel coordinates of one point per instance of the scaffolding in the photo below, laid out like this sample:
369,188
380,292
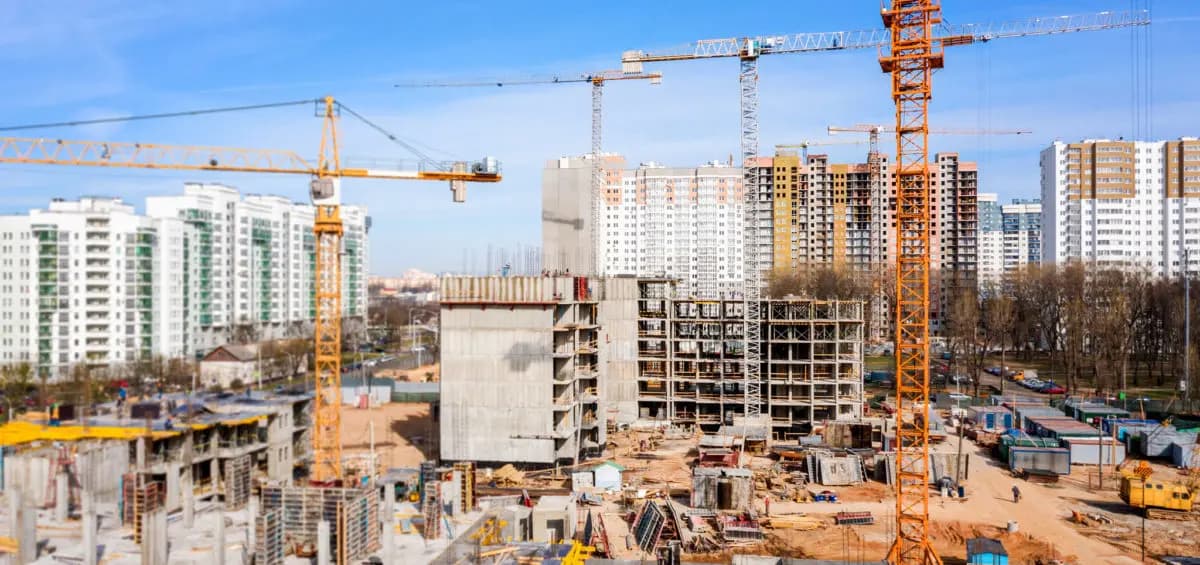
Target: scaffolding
466,495
431,510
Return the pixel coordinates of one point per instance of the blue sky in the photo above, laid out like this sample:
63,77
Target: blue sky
80,59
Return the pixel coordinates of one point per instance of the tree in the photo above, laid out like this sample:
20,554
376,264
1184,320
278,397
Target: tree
296,351
962,329
243,334
999,318
17,383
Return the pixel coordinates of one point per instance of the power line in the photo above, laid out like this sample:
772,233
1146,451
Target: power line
140,117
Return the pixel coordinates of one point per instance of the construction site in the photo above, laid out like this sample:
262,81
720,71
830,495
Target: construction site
645,399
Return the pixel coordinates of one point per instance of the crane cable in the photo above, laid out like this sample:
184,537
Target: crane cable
228,109
139,117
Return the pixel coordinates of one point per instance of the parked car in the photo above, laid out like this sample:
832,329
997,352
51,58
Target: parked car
961,379
1050,387
993,370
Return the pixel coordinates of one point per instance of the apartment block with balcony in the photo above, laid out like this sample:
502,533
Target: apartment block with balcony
255,258
1122,204
88,282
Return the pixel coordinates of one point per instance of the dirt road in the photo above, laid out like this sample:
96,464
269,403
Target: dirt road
405,433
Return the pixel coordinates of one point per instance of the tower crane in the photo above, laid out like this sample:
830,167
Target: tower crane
597,80
748,49
325,191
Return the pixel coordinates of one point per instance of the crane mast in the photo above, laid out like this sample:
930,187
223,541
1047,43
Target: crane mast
911,60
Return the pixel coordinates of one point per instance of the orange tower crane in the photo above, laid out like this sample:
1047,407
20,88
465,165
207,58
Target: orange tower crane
597,80
325,189
748,49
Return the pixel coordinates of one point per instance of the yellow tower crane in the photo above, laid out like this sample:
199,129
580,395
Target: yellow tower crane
325,191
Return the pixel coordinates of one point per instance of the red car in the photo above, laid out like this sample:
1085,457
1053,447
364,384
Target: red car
1053,389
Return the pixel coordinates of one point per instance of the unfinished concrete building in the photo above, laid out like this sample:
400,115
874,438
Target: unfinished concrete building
690,356
531,372
228,440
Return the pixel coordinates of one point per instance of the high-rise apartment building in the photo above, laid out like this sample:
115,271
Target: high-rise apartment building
829,214
1010,237
90,282
1122,204
681,223
254,258
991,240
1022,228
94,282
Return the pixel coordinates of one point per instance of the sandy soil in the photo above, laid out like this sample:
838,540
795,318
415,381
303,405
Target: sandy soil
418,375
405,433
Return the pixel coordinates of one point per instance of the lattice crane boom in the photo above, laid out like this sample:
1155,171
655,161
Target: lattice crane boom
597,79
326,173
804,145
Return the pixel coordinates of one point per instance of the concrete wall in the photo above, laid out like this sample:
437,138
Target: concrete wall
567,215
496,391
99,465
224,372
618,353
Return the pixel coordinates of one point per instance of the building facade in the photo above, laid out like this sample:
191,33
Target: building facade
683,223
1129,204
90,282
93,282
991,241
255,262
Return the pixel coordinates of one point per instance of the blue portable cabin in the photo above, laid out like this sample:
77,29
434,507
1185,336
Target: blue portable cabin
986,551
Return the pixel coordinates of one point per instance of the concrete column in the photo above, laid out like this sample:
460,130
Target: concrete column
154,537
62,497
252,516
22,527
323,547
388,521
141,453
219,543
189,500
89,528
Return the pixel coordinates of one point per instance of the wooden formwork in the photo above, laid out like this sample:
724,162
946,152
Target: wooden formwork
237,482
268,532
140,495
467,485
353,515
431,510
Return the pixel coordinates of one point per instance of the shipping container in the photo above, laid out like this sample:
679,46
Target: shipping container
1056,460
1092,451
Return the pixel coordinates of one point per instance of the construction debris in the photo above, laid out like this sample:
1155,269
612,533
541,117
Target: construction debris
508,476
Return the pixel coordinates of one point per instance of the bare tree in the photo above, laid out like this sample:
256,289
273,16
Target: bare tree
962,329
999,318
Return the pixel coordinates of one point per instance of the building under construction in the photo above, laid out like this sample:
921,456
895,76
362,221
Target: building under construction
534,367
690,360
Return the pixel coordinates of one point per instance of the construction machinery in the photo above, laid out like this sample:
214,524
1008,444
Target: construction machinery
749,48
325,190
598,177
1170,500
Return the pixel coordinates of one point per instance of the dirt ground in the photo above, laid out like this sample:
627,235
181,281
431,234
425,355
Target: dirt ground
405,433
1045,529
419,375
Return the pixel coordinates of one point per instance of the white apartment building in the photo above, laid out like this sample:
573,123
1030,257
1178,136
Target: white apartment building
657,221
91,282
1122,203
255,258
991,241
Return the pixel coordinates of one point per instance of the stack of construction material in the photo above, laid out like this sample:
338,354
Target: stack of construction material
1157,443
830,470
268,536
508,476
717,488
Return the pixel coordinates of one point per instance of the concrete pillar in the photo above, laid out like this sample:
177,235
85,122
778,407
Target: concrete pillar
89,528
219,543
141,453
252,515
154,537
22,527
323,547
388,520
62,497
189,500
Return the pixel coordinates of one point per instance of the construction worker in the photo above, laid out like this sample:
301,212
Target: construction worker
767,504
1016,494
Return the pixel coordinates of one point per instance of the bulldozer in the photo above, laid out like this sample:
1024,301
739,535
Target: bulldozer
1160,498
